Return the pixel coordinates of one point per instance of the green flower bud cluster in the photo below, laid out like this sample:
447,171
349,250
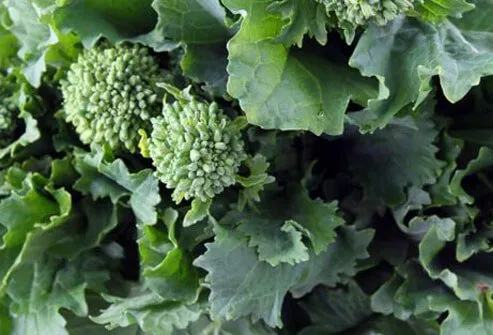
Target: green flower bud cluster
360,12
8,111
110,93
195,149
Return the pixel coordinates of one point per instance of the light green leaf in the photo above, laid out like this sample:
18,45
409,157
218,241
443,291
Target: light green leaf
302,17
254,184
150,312
40,43
465,317
287,89
198,211
8,43
465,277
435,11
20,213
34,37
407,293
406,53
39,290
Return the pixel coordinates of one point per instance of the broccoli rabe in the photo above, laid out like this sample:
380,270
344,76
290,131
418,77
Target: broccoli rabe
196,150
353,13
8,110
110,93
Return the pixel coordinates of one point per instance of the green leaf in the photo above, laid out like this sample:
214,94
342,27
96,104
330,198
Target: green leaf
115,20
242,285
149,311
417,200
482,162
39,290
441,192
34,37
388,325
279,88
398,156
28,104
254,184
406,53
242,326
316,219
84,326
103,176
20,213
465,317
192,21
407,293
313,218
207,63
166,268
199,25
40,43
435,11
334,311
93,221
275,243
8,42
465,278
304,17
5,320
199,211
337,263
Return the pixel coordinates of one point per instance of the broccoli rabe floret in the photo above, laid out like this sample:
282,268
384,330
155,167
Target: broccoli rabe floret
110,93
195,149
8,111
351,14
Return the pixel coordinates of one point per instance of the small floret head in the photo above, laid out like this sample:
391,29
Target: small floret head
110,93
351,14
195,150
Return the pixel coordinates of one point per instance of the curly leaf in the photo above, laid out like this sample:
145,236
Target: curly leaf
102,176
406,53
242,285
282,88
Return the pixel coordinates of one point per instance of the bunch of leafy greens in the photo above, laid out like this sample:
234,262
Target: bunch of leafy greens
246,167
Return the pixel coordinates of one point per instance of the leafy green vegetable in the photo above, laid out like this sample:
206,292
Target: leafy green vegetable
195,167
